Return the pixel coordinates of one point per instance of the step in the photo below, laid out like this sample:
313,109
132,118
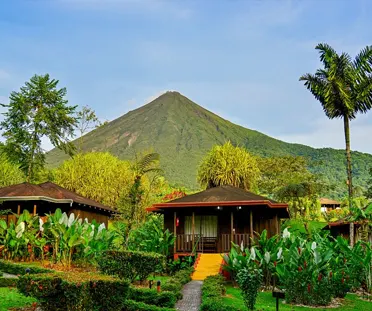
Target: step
208,264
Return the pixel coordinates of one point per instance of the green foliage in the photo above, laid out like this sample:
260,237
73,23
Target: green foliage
151,297
8,282
183,133
177,281
229,165
20,268
87,120
131,305
38,110
213,290
10,173
369,190
130,265
98,176
150,237
74,291
70,238
11,298
249,280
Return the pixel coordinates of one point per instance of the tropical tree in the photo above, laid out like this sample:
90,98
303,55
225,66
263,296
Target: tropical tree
38,110
130,205
87,120
10,173
99,176
229,165
344,88
369,190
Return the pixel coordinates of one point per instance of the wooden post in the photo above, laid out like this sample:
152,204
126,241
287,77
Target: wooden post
34,209
19,209
193,227
251,222
276,221
232,227
175,233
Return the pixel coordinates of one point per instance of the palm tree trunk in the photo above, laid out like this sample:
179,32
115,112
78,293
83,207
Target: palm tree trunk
349,174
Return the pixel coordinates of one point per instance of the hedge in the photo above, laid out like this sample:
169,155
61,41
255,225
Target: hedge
131,305
8,282
20,268
130,265
74,291
151,297
212,291
176,282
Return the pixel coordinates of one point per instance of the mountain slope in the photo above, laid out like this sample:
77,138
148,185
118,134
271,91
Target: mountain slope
182,132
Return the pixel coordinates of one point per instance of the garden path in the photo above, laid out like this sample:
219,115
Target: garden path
191,297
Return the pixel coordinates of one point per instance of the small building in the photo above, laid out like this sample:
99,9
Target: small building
210,220
327,205
342,228
45,198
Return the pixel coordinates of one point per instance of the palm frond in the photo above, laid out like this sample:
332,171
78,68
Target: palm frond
363,95
363,61
147,162
315,85
327,53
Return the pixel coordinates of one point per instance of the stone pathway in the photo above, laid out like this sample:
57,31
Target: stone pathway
191,297
9,276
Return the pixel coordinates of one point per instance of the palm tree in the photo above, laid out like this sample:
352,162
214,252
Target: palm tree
344,88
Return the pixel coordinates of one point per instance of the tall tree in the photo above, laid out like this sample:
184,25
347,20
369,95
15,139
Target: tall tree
87,120
369,190
344,88
40,109
229,165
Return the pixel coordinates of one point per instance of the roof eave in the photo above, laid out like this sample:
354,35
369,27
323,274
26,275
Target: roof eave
37,198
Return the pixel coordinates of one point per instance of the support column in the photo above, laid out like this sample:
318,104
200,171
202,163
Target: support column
34,209
175,233
251,223
193,228
276,221
19,209
232,227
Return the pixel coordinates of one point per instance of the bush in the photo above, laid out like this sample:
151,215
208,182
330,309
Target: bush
130,265
131,305
151,297
176,282
8,282
20,268
212,291
74,291
249,280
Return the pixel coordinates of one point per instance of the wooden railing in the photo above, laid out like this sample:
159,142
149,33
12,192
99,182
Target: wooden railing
187,243
237,239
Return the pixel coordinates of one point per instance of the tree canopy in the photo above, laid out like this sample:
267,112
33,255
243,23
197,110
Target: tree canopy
10,173
369,190
40,109
229,165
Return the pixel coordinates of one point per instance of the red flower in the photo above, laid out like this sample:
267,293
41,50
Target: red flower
275,263
319,277
309,287
305,264
299,250
330,274
342,280
299,269
41,287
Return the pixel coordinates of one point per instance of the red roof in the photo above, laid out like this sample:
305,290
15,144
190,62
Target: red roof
49,192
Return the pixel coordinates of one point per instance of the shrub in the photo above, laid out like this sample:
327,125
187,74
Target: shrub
8,282
151,297
212,291
130,265
20,268
131,305
74,291
249,280
176,282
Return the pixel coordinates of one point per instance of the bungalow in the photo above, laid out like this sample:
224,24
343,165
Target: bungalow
210,220
45,198
327,205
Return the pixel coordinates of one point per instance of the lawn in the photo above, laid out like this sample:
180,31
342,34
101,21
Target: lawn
10,298
265,302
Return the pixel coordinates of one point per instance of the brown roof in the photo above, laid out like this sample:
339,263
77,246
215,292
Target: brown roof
326,201
48,192
220,196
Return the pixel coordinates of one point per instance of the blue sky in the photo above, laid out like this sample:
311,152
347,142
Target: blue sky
238,58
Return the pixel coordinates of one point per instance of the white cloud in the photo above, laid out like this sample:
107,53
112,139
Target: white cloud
330,133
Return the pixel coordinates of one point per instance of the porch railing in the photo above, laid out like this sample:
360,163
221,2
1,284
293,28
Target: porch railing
188,242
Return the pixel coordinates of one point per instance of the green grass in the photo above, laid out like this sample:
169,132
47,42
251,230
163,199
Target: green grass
265,302
10,298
